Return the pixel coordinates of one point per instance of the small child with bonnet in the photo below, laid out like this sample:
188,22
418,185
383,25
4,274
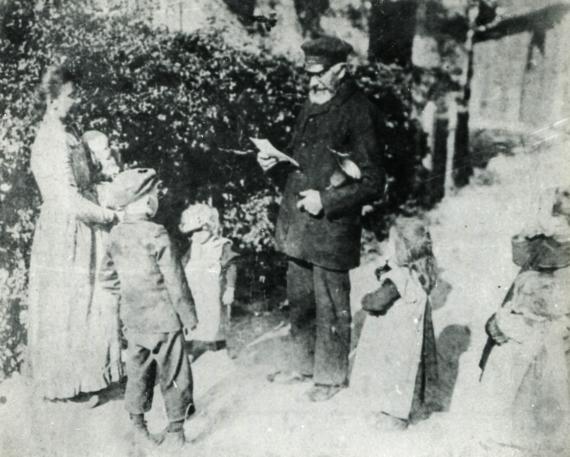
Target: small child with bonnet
104,161
102,356
396,358
525,362
211,272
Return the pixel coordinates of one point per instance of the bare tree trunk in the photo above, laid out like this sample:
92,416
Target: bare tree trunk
439,31
392,26
462,164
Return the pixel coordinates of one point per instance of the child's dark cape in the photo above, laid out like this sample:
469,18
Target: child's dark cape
537,253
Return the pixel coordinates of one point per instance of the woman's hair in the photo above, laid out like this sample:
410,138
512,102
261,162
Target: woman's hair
413,247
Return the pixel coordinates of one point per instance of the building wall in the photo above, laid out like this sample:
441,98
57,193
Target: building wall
498,78
522,79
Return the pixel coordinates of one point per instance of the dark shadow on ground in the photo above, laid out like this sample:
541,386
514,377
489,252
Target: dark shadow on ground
115,391
196,349
453,341
357,324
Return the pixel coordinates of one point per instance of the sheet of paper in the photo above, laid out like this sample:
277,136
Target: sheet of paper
266,147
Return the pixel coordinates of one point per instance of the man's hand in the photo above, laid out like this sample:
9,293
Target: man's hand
367,209
228,296
266,161
311,202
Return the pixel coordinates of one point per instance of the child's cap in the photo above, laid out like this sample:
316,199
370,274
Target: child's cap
198,215
130,185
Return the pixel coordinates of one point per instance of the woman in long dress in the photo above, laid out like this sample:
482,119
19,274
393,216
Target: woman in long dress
63,259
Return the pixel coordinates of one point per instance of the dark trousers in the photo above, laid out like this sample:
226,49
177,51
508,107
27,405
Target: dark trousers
319,343
159,355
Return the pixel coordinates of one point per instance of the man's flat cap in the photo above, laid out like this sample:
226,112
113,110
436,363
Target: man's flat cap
130,185
324,52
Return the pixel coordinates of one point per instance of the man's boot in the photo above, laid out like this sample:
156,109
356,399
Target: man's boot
320,392
386,422
288,377
174,437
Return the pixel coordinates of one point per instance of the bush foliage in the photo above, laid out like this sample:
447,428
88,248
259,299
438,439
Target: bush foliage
173,102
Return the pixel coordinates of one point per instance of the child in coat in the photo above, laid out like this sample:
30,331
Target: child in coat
211,272
102,356
396,355
106,166
525,366
140,266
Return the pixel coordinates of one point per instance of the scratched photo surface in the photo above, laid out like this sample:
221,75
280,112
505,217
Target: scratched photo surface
283,228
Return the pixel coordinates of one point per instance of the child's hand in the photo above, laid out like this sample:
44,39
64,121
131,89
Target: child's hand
380,301
493,330
119,216
228,296
373,307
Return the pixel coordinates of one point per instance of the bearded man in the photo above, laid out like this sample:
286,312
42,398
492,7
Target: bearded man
319,224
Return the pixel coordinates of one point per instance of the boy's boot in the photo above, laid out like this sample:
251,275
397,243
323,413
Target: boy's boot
140,432
174,437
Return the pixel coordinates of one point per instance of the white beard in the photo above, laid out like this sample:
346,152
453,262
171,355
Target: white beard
320,97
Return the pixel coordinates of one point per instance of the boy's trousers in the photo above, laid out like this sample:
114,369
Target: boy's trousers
161,355
319,341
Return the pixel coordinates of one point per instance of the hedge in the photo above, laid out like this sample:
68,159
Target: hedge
173,102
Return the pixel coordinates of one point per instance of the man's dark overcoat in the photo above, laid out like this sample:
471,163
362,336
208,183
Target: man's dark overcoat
345,124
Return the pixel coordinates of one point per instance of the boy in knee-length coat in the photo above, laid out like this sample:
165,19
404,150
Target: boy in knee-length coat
155,305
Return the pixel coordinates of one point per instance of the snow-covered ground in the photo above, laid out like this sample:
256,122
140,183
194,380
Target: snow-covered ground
240,414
